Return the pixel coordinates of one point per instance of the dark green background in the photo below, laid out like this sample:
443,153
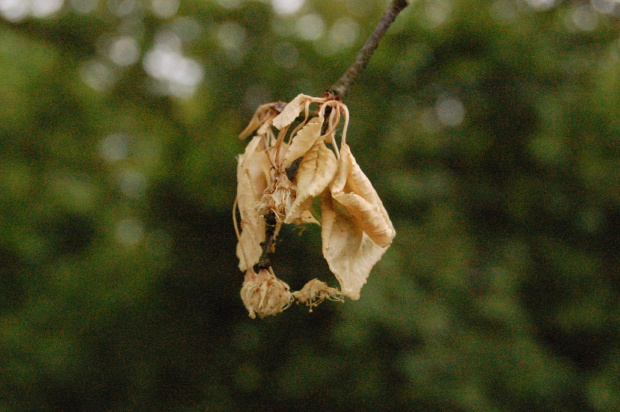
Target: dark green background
491,130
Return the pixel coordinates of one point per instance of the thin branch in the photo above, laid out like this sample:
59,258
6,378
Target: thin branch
341,87
270,239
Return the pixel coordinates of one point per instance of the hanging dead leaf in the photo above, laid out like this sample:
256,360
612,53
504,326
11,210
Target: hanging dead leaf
316,171
303,141
315,292
307,218
356,229
253,125
353,190
290,112
253,177
261,119
349,252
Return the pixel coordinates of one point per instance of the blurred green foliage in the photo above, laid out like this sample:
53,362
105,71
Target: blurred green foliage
490,128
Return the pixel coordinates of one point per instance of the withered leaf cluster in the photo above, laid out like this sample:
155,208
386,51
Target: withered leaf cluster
292,159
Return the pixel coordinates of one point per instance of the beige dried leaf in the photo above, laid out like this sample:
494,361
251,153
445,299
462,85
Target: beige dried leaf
290,112
253,125
303,141
256,144
306,217
279,196
253,177
356,229
263,294
315,292
315,173
262,130
261,120
349,252
353,190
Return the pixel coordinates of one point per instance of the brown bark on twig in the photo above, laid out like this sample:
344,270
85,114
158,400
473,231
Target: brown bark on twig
341,87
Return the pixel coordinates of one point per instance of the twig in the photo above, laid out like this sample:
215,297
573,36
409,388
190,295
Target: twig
341,87
270,239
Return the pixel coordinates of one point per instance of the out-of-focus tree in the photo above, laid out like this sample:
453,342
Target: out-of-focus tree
490,128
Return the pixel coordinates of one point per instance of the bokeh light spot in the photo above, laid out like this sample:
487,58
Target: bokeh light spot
114,147
129,232
122,8
286,6
344,32
186,28
97,75
606,6
45,8
503,10
542,4
84,6
310,27
584,18
14,10
165,8
168,39
179,75
231,35
132,183
124,51
436,13
450,111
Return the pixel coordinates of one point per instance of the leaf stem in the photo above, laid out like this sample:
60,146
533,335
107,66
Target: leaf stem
341,87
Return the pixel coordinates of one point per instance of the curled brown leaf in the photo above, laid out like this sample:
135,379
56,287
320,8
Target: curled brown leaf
349,252
354,191
253,178
316,171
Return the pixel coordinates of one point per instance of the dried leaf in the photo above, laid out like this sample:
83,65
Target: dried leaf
290,112
263,294
303,141
255,144
262,130
253,125
353,190
262,118
316,171
315,292
306,217
349,252
253,178
356,229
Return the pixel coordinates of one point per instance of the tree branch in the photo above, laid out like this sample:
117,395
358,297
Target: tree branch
341,87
